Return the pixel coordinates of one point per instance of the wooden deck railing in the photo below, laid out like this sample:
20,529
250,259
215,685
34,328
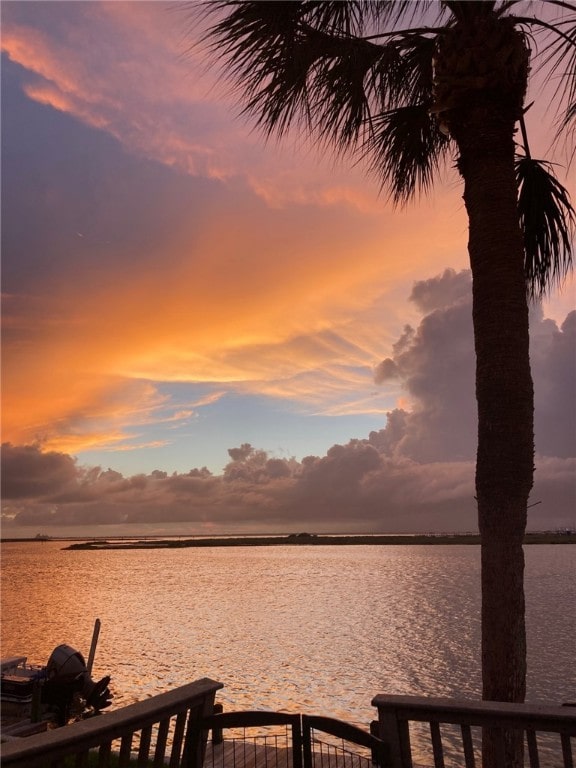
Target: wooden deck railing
171,729
158,731
397,713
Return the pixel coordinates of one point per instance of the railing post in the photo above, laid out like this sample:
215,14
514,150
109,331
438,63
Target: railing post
306,742
196,738
297,742
217,737
395,733
380,754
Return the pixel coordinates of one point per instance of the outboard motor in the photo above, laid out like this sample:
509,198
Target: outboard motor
67,680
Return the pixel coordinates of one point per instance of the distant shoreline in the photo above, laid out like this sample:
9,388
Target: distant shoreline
314,540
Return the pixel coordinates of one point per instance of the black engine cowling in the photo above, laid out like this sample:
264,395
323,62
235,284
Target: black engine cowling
67,679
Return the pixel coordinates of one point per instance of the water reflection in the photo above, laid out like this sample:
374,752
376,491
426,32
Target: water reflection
317,629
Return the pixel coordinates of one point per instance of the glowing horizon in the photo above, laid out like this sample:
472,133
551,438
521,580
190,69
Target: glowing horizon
175,287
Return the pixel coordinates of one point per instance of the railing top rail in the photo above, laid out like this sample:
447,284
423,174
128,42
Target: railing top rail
433,709
96,730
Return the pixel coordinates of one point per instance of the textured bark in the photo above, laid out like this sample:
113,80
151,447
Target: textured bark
504,392
483,124
504,469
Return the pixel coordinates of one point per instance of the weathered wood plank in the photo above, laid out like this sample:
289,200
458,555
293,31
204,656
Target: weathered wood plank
235,753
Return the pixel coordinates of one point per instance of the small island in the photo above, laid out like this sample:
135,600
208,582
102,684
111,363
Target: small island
311,539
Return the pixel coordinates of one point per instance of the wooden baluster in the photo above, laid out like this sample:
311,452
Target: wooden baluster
161,743
104,754
178,739
144,749
500,747
125,750
532,748
437,748
566,751
468,744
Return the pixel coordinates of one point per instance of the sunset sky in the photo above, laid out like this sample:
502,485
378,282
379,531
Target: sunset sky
204,332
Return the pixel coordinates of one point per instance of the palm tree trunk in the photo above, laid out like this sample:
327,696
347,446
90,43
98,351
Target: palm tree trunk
504,469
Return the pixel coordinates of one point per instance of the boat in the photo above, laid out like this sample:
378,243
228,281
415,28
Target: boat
36,697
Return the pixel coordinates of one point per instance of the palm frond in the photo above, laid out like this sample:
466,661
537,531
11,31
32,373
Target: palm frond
558,55
468,11
567,90
562,57
406,146
305,63
279,62
414,82
548,220
252,40
336,17
345,88
569,116
407,149
351,88
393,12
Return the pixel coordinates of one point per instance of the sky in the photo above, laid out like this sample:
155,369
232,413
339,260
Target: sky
206,332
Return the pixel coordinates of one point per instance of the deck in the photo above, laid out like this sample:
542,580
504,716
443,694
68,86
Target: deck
180,728
232,753
235,754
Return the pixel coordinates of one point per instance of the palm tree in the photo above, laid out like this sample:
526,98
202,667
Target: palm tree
408,87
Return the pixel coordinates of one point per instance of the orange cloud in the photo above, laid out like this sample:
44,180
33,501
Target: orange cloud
160,100
294,309
298,297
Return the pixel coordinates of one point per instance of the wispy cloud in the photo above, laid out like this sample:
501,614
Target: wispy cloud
161,261
421,463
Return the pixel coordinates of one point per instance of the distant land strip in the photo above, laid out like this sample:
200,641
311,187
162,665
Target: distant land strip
308,539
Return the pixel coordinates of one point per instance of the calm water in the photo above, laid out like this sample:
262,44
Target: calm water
316,629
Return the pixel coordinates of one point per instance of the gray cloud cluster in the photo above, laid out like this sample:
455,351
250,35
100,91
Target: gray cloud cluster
415,474
353,487
435,365
553,355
